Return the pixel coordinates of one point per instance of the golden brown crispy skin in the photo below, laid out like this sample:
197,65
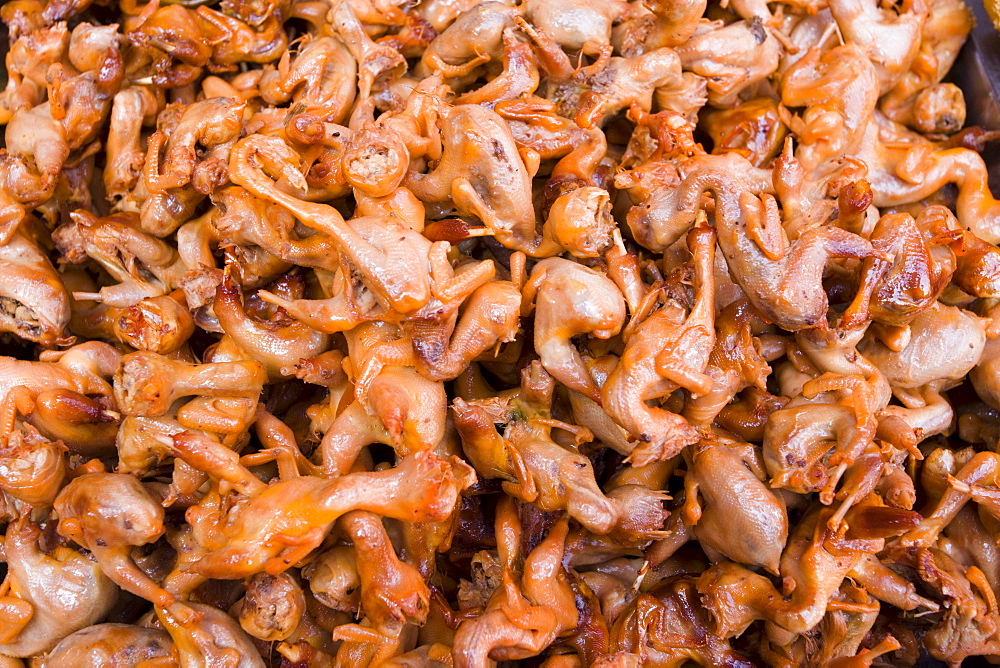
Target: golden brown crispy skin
110,643
607,333
48,596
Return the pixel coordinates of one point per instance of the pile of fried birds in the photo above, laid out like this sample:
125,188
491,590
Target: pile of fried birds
572,332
